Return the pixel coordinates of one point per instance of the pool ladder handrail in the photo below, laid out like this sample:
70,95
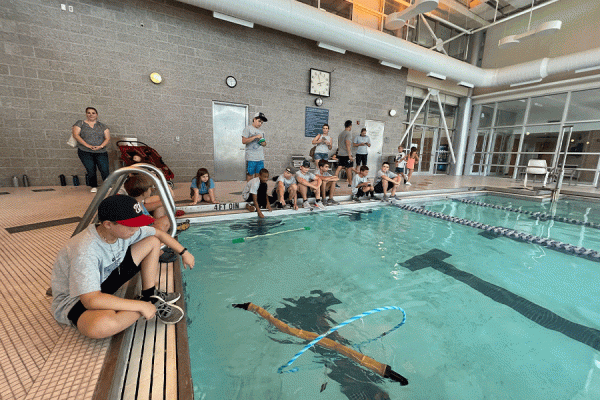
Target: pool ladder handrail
113,184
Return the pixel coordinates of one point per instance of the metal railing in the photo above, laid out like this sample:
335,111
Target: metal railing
115,181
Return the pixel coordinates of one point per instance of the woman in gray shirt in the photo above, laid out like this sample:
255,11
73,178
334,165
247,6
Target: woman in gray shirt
92,138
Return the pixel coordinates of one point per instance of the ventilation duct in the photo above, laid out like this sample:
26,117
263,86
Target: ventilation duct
299,19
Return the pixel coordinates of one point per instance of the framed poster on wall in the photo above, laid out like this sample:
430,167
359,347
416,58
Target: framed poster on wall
314,119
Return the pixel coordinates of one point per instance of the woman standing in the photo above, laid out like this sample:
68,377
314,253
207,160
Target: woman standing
92,138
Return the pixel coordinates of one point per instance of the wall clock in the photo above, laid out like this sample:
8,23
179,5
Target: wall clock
231,81
320,82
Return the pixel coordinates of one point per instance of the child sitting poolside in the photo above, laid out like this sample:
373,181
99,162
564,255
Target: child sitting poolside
255,191
140,188
203,188
361,186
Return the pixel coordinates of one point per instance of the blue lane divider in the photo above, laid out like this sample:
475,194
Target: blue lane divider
335,328
510,233
539,215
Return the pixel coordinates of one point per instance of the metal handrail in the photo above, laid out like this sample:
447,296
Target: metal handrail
113,184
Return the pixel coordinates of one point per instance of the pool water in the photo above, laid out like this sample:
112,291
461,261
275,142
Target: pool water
477,308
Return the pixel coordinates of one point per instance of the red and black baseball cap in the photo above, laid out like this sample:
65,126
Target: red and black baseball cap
123,210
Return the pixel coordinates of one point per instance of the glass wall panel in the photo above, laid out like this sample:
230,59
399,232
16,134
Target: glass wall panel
585,139
547,109
511,113
480,147
433,115
416,103
584,105
504,151
485,119
450,114
539,143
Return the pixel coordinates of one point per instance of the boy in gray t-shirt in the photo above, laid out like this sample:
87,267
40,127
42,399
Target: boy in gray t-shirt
307,180
286,189
254,139
95,263
385,180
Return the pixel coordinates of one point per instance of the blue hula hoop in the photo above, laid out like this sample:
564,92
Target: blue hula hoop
280,370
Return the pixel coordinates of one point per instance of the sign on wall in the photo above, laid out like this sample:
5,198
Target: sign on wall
314,120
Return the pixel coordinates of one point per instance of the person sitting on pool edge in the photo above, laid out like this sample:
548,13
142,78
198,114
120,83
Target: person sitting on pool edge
306,181
95,263
361,186
285,189
256,191
140,188
385,180
328,182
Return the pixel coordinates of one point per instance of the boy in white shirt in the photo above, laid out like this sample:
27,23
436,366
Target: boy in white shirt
307,180
361,185
401,165
256,192
286,188
328,182
385,180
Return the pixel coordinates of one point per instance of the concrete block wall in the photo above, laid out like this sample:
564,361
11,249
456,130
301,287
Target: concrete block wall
54,63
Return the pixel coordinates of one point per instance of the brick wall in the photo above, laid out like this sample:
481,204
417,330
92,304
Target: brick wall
54,63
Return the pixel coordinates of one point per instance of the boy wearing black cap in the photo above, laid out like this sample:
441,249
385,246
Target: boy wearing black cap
307,180
95,263
254,139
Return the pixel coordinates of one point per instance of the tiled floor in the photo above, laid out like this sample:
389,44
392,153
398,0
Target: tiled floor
40,359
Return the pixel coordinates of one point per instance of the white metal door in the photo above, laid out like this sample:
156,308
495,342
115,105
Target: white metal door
229,120
375,132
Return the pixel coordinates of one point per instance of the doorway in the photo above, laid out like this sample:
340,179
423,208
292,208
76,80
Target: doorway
375,133
229,120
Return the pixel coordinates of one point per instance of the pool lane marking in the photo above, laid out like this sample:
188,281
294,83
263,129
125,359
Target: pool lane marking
540,315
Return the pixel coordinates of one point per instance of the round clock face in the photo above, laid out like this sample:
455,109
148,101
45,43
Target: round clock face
319,101
231,81
155,77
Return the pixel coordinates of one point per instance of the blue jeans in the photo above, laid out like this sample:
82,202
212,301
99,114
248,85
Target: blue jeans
92,160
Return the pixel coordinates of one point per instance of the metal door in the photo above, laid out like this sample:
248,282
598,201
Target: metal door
375,133
229,120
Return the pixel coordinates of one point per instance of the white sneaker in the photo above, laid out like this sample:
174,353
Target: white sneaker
320,205
408,184
306,204
94,190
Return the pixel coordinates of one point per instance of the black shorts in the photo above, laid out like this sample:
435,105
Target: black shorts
361,159
399,170
345,162
286,194
124,272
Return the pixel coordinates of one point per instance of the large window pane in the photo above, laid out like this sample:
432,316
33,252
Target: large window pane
585,139
539,143
487,112
547,109
584,106
511,112
505,147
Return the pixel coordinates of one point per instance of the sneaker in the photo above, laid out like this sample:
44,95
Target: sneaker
170,298
337,186
385,197
94,190
408,184
332,202
168,313
320,205
356,199
306,204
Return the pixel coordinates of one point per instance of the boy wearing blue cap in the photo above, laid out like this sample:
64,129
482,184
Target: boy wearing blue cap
95,263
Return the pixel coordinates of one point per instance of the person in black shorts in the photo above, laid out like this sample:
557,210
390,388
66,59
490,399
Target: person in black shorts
95,263
345,157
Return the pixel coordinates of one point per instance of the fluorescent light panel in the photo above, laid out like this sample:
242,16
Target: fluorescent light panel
437,76
579,71
466,84
526,83
330,47
391,65
233,19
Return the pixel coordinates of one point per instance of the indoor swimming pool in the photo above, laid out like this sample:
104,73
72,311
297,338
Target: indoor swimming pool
488,317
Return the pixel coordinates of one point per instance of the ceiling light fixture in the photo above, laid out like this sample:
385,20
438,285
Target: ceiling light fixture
466,84
391,65
234,20
396,20
331,48
437,76
526,83
543,29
